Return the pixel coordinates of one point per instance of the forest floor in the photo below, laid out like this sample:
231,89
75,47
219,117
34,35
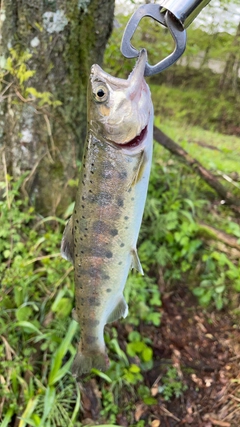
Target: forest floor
205,349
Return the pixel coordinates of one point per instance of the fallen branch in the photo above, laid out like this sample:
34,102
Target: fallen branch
219,235
205,174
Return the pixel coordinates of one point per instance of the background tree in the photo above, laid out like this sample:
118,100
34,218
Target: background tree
48,47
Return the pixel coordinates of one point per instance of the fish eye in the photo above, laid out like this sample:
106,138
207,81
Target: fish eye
100,93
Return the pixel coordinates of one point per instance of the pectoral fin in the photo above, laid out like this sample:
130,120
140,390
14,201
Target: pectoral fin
136,262
139,169
67,242
121,310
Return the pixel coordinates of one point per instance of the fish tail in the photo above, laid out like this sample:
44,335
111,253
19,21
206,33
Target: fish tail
85,361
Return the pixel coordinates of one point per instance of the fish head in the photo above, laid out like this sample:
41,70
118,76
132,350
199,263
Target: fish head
119,109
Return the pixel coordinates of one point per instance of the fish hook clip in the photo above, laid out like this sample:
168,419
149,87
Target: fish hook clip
168,20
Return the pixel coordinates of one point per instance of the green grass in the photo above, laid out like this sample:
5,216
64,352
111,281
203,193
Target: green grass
38,336
226,156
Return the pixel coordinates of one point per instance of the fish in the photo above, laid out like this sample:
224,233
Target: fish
101,236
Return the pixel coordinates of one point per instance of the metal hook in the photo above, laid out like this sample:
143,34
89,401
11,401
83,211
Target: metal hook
167,19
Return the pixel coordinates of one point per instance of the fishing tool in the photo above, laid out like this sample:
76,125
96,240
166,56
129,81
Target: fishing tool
176,15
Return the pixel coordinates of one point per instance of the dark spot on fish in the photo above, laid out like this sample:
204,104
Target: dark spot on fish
94,301
105,276
120,202
83,198
92,172
92,164
90,339
84,175
126,228
126,218
81,301
97,251
75,245
107,169
104,198
94,271
113,232
75,227
132,198
120,263
130,189
82,252
109,290
108,254
122,175
122,244
81,238
86,229
75,211
93,322
77,221
83,182
90,181
100,227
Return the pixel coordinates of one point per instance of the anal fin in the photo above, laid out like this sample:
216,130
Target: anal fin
121,310
136,262
67,241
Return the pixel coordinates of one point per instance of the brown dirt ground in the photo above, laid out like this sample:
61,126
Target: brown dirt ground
205,349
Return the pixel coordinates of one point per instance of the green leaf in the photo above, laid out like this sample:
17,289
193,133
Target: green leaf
29,327
7,418
23,313
147,354
102,375
134,369
32,403
60,353
198,292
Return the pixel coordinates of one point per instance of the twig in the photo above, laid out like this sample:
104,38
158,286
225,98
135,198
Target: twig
169,414
64,276
228,178
39,258
6,180
32,173
49,132
6,88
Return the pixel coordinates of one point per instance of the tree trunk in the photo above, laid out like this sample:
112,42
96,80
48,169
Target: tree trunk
44,127
228,78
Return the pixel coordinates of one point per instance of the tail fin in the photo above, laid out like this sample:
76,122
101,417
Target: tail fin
85,361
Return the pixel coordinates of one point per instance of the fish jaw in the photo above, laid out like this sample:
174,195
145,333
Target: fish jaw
123,112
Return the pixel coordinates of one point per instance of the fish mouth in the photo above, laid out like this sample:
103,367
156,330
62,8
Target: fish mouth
135,143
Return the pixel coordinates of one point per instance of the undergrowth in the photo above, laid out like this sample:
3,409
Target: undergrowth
38,336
